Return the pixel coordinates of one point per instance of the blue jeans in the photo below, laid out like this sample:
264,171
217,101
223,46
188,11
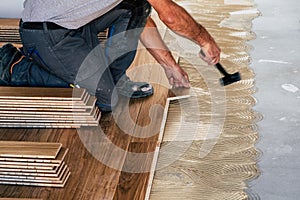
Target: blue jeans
61,57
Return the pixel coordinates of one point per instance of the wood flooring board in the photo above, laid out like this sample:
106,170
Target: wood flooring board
33,177
9,22
46,184
50,102
29,149
43,93
30,164
58,160
49,116
54,171
46,120
89,112
33,172
133,181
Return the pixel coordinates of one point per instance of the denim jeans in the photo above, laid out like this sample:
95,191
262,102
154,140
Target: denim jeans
59,57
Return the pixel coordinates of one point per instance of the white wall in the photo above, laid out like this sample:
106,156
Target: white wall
11,8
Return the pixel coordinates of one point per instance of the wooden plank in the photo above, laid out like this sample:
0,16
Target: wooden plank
44,183
31,178
9,23
39,93
15,103
29,149
58,160
134,178
9,166
28,171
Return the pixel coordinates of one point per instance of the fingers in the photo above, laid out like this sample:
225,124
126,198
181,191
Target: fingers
210,54
183,81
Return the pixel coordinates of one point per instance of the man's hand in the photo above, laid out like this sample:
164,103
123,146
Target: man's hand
210,53
177,76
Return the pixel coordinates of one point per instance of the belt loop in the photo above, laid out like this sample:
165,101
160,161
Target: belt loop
45,26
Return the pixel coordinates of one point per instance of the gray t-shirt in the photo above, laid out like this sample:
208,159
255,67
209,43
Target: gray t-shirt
70,14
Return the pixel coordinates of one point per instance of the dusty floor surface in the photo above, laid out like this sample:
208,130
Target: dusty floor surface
276,61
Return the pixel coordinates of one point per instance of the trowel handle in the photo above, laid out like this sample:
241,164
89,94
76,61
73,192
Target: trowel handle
218,66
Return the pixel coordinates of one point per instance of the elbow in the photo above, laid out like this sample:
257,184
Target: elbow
168,18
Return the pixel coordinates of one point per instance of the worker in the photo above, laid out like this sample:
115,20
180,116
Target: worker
60,46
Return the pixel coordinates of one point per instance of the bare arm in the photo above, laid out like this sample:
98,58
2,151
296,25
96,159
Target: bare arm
181,22
152,40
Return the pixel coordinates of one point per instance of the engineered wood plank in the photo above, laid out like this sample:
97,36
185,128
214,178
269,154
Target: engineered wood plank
33,172
9,23
29,149
89,104
39,93
134,178
28,164
25,171
32,178
9,166
24,182
57,161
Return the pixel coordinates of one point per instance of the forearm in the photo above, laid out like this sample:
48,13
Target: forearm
180,21
153,42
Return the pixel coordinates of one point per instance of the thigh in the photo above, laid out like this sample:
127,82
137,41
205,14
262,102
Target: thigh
59,51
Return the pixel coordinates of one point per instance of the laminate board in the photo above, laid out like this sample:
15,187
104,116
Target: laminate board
36,161
9,23
25,182
32,178
7,166
8,103
40,93
135,174
87,112
33,172
47,125
28,164
29,149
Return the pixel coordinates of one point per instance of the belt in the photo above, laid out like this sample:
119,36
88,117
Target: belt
39,25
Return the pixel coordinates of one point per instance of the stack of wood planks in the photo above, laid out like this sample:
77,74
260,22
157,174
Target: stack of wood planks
33,164
9,31
37,107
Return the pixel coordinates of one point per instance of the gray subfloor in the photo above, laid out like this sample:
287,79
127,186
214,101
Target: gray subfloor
276,61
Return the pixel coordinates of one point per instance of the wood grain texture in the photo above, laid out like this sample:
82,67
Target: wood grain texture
40,93
21,149
58,159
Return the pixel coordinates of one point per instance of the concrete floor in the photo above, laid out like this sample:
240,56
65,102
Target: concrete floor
276,61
